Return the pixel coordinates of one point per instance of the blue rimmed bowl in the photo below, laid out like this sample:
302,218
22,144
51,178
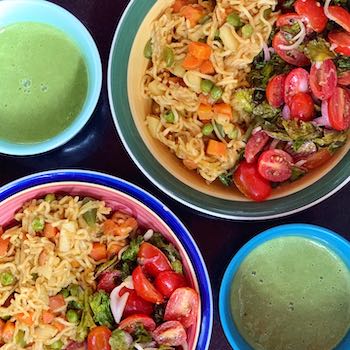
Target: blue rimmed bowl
150,213
327,238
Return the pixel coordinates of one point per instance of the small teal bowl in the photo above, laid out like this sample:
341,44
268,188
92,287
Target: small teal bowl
328,238
41,11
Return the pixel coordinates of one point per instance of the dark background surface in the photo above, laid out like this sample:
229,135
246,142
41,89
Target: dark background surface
98,147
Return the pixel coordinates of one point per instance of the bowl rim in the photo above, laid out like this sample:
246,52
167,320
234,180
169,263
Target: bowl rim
18,149
153,204
222,208
328,238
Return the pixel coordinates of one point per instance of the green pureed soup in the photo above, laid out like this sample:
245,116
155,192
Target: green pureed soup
292,293
43,83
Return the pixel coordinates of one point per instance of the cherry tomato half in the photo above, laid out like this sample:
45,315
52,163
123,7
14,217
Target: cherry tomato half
98,338
317,159
295,57
297,81
152,259
182,306
340,16
339,109
302,107
275,165
135,304
250,182
129,324
167,281
108,281
344,78
275,90
342,42
287,19
73,345
144,288
255,145
313,11
171,333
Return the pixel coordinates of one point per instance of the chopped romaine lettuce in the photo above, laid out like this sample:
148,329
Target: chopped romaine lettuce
131,253
100,306
297,130
297,173
342,63
120,340
86,321
140,334
318,50
264,110
243,100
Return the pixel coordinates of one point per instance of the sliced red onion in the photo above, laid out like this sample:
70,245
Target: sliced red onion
148,235
118,302
257,129
300,163
274,143
286,112
324,119
267,55
299,38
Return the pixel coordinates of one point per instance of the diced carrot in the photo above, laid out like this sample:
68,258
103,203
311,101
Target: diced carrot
26,319
205,112
8,331
191,63
129,224
58,325
193,13
223,109
75,264
199,50
56,302
4,243
204,99
43,258
111,228
47,317
216,148
2,325
50,231
177,80
99,251
113,250
190,164
178,5
207,67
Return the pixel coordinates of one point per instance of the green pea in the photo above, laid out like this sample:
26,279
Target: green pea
74,290
148,50
207,129
233,135
216,93
168,56
50,197
7,279
38,224
20,339
206,86
204,19
234,20
169,117
72,316
5,318
65,293
217,35
57,345
247,31
267,13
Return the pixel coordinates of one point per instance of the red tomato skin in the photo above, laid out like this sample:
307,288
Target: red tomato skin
171,333
144,288
317,159
168,281
248,180
98,338
129,323
342,42
287,19
73,345
344,78
302,107
296,81
340,16
182,306
152,259
313,11
254,145
108,281
135,304
323,79
274,165
294,57
275,90
339,109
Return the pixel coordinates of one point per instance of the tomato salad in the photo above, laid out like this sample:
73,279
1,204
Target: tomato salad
300,100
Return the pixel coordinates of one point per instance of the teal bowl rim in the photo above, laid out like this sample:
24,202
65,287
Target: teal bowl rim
326,237
94,84
123,39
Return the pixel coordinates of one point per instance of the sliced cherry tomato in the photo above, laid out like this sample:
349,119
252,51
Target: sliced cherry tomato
135,304
302,107
295,57
275,90
297,81
167,281
129,324
98,338
340,16
313,11
287,19
255,145
250,182
144,288
182,306
152,259
108,281
344,78
342,42
339,109
73,345
275,165
171,333
317,159
323,79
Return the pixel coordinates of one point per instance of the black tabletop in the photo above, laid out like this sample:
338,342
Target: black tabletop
98,147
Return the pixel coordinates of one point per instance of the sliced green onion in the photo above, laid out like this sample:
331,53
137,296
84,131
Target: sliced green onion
247,31
169,117
206,85
267,13
90,216
234,20
65,293
20,339
74,290
217,35
72,316
7,279
57,345
233,135
38,224
216,93
168,56
148,50
50,197
207,129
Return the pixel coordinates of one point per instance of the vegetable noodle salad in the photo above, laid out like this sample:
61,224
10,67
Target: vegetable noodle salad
229,96
74,275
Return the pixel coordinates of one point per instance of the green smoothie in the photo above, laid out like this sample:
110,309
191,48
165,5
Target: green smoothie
292,293
43,83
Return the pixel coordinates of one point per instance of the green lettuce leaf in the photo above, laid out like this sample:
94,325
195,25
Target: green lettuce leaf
119,340
100,306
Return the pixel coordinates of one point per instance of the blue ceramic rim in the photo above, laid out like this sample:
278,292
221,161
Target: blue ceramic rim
330,239
151,202
93,93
